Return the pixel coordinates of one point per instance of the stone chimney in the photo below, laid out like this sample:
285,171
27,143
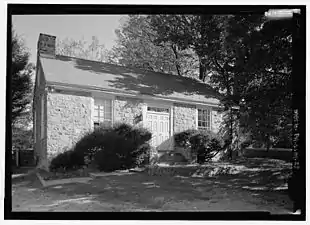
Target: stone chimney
47,45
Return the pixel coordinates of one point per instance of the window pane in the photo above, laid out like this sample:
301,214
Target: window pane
103,111
199,116
156,109
199,124
96,112
107,116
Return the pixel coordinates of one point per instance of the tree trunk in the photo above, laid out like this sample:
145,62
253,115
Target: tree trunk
202,69
177,65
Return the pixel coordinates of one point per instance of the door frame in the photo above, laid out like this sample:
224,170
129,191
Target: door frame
160,104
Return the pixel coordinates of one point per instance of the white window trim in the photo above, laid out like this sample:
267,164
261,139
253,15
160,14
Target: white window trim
211,116
103,96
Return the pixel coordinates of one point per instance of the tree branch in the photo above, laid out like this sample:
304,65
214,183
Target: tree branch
177,58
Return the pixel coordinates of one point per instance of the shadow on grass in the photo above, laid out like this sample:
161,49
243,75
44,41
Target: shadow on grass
138,191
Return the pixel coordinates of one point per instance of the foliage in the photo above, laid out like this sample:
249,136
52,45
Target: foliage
21,138
181,139
125,147
120,146
81,49
205,144
143,156
21,72
250,62
63,160
137,47
115,153
197,33
260,74
202,144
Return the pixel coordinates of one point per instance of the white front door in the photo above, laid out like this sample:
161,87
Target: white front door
158,122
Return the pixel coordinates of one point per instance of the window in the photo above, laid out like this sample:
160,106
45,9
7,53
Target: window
102,112
204,119
156,109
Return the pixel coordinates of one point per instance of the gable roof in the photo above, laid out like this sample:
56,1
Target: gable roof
73,71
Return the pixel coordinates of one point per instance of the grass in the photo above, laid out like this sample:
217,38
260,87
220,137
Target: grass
63,175
141,192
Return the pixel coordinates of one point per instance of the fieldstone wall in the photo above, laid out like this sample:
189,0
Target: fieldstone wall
184,117
68,118
128,110
217,118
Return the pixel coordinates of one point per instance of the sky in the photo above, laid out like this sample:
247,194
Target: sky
66,26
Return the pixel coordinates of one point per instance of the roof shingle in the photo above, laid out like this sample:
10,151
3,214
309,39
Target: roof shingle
68,70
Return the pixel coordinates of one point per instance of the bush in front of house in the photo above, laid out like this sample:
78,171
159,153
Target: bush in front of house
114,153
121,146
202,144
181,139
143,154
63,161
125,147
205,145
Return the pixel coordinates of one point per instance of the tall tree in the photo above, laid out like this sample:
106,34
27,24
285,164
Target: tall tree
81,49
198,33
21,72
257,62
248,58
137,47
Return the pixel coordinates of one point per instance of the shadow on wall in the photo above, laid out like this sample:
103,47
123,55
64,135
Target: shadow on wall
146,82
167,153
167,145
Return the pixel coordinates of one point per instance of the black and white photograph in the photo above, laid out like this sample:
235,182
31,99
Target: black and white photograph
135,108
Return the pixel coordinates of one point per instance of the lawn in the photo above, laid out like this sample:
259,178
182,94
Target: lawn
258,185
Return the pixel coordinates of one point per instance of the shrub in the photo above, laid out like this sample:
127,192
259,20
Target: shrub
91,142
205,144
138,135
181,139
121,153
143,155
115,153
202,144
115,147
63,160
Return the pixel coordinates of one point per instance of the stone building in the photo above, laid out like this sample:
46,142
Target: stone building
73,95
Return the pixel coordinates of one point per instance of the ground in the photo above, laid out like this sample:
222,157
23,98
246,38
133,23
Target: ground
259,186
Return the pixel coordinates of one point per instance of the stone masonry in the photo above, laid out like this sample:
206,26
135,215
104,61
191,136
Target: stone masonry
184,117
68,118
216,120
128,110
